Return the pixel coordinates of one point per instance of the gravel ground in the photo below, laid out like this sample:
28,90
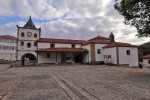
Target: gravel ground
103,82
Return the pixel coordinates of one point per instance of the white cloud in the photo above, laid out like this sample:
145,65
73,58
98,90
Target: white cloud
76,19
5,8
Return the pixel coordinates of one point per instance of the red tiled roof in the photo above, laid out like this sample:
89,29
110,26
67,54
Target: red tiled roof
97,42
7,37
50,40
119,44
146,56
75,50
99,38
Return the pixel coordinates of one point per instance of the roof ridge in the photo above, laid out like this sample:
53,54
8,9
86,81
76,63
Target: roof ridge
63,39
98,37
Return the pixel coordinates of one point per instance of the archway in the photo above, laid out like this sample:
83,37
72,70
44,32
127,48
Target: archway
28,59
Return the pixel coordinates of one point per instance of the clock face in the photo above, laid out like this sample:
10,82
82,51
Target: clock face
29,34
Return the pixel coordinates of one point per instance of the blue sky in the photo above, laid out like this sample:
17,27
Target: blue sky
67,19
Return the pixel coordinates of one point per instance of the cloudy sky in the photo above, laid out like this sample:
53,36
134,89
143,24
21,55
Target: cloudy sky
68,19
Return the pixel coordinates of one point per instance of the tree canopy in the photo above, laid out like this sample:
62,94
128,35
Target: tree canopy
136,13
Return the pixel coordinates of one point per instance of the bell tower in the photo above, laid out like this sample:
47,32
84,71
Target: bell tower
27,37
111,37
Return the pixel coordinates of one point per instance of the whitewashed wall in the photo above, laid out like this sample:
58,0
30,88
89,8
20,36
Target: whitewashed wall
42,58
43,45
99,57
24,49
146,62
57,45
131,59
9,55
88,55
25,46
112,52
25,32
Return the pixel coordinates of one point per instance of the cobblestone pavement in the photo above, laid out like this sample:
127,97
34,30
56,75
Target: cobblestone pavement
75,82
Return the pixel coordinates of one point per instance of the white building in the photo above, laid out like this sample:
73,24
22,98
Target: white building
121,54
96,50
26,42
31,47
7,48
146,60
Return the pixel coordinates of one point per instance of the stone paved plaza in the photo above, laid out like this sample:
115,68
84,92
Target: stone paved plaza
74,82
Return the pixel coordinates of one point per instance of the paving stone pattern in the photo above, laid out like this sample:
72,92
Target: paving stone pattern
85,81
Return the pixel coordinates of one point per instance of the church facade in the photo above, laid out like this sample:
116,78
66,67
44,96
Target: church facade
31,47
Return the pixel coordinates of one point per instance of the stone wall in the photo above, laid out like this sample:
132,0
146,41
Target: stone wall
92,53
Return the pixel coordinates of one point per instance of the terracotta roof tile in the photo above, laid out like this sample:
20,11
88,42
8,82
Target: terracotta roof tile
146,56
98,38
79,50
8,37
68,41
119,44
97,42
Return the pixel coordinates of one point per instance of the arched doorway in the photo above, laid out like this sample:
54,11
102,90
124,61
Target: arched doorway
28,59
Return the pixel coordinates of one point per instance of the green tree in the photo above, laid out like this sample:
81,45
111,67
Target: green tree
136,13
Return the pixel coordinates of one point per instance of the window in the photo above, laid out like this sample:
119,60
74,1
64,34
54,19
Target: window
5,47
52,45
22,34
21,43
29,45
35,43
48,55
98,51
35,35
148,61
73,45
1,47
12,41
128,52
